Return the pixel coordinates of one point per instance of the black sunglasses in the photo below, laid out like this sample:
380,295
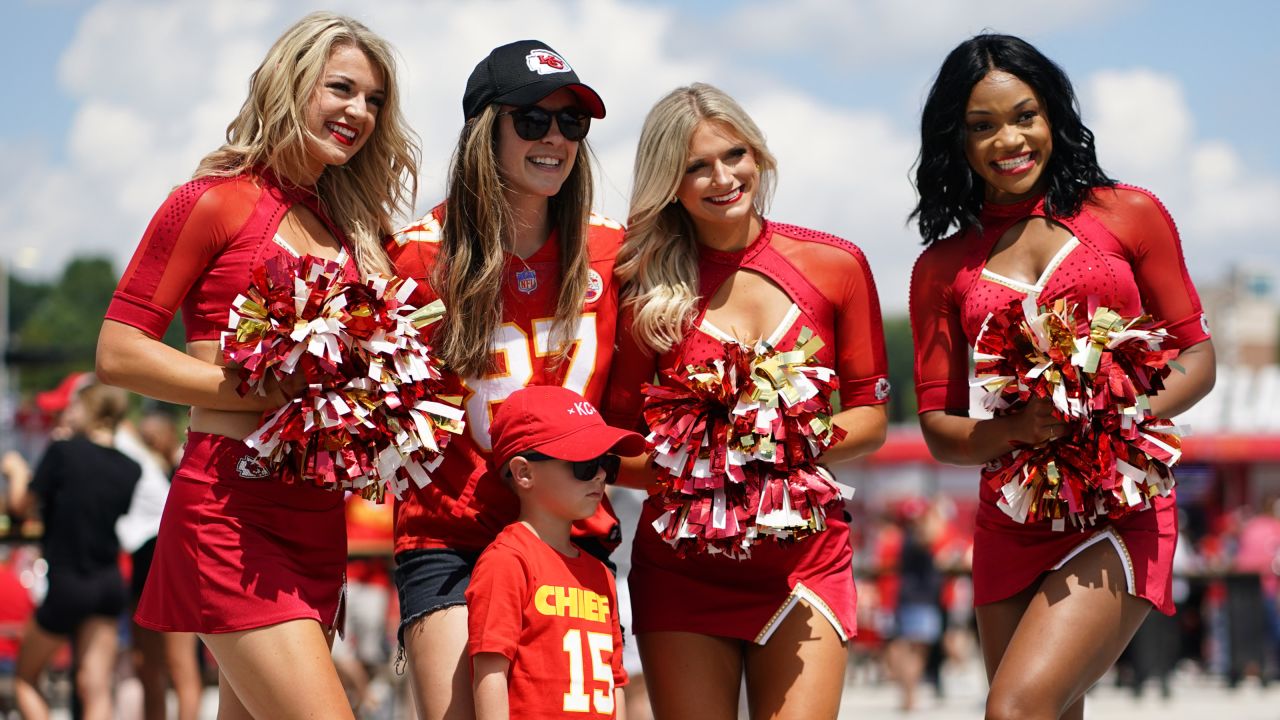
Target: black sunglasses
583,470
533,122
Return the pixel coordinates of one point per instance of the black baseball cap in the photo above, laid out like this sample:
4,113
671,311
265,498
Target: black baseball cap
522,73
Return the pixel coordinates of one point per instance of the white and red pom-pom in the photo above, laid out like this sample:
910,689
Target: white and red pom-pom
736,446
1099,370
369,419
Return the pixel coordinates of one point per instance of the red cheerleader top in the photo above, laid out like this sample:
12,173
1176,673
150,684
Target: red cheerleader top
201,247
1126,253
832,292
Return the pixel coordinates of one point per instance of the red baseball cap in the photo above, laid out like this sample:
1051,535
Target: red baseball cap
52,402
558,422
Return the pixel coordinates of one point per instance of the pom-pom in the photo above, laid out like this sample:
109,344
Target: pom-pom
1100,371
736,446
369,418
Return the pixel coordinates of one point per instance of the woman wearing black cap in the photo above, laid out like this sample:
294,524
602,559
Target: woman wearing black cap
526,274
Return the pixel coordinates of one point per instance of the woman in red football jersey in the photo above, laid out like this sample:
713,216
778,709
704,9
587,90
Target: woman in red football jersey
1006,159
704,268
315,164
526,275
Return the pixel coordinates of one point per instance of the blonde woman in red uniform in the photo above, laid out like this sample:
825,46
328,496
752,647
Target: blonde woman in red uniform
316,163
703,267
526,275
1006,159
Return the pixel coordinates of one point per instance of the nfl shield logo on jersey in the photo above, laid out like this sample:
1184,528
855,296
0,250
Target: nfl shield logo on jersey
526,281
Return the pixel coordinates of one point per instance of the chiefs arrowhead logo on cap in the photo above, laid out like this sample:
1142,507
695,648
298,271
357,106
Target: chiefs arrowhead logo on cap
545,62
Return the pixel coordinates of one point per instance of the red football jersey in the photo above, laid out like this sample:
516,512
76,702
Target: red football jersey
465,506
555,618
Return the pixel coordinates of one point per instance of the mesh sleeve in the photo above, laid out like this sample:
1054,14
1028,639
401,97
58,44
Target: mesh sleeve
184,236
860,355
633,365
1149,237
941,348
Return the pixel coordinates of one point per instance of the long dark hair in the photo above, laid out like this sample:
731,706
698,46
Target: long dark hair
951,193
468,274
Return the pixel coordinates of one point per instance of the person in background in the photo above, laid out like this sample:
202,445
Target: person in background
363,653
162,657
81,486
917,615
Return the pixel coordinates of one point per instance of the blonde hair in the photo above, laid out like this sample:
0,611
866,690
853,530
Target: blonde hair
468,274
361,196
658,263
104,405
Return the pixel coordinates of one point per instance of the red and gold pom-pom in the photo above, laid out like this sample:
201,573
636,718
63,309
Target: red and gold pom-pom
1099,370
369,419
736,446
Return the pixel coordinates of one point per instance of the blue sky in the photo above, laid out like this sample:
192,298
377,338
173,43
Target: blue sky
119,98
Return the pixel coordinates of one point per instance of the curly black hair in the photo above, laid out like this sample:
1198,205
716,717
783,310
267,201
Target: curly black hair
951,193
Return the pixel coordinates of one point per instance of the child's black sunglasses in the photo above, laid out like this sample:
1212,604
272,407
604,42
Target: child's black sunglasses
533,122
583,470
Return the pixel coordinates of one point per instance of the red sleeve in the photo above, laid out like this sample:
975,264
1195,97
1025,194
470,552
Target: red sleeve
1148,235
496,598
413,251
860,355
941,348
187,232
633,365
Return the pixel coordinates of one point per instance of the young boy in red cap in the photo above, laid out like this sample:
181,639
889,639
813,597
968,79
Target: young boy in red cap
545,640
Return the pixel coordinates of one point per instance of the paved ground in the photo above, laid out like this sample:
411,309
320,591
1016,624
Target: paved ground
1194,696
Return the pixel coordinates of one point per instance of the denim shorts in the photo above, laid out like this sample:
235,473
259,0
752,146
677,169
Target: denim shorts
919,622
431,580
437,578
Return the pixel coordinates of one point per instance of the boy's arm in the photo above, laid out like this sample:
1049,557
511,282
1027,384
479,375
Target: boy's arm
489,685
620,703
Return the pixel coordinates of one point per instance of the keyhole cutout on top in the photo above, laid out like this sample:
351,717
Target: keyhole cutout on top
307,235
1028,249
748,307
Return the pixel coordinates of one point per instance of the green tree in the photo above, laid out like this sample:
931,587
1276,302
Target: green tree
898,346
59,334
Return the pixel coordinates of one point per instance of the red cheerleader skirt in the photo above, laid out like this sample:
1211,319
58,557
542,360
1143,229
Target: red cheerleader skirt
238,549
1009,556
741,599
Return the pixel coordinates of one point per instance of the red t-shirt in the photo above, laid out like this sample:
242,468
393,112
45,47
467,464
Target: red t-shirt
442,515
555,618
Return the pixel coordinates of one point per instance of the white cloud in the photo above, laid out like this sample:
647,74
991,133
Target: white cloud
1146,136
155,84
885,30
